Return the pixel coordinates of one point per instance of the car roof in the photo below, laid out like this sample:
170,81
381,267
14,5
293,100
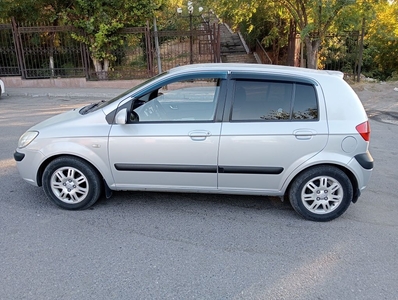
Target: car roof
255,68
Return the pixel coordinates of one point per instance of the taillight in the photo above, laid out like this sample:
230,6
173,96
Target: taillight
364,130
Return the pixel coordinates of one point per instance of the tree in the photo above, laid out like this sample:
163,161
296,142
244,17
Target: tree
276,24
33,11
313,18
100,21
234,12
382,40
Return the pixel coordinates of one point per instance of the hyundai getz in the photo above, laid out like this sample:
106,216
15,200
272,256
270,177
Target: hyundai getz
243,129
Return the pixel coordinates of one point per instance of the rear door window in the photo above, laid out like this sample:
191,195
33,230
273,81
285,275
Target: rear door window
258,100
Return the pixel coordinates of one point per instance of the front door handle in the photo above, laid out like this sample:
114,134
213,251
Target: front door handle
199,135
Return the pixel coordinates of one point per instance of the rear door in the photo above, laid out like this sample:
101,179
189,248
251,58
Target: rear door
272,125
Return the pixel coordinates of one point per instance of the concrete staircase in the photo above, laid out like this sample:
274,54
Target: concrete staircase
233,48
238,58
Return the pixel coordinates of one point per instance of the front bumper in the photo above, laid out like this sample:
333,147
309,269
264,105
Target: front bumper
18,156
28,163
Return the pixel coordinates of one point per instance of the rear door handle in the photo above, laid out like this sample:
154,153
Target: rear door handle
304,134
199,135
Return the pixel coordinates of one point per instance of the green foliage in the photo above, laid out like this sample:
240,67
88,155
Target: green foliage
236,11
340,52
382,41
100,21
33,11
313,18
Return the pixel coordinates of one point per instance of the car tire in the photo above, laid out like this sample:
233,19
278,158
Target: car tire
72,183
321,193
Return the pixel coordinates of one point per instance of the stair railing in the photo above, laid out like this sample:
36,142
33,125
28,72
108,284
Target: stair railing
262,54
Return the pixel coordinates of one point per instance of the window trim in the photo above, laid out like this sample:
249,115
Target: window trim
271,78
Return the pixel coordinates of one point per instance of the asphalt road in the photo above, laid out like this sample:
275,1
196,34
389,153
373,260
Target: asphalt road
140,245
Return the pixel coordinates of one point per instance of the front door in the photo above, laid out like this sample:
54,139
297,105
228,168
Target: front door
171,140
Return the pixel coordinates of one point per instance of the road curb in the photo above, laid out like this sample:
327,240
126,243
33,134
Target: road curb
31,93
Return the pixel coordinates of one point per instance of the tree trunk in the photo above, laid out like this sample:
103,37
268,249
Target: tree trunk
275,50
291,48
101,68
297,50
312,47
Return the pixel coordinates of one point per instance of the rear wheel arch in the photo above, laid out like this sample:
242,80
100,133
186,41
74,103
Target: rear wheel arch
336,180
347,171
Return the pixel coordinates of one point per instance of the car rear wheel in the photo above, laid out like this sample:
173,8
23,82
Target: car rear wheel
72,183
321,193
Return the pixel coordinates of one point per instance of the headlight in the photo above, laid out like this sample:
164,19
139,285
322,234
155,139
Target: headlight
27,138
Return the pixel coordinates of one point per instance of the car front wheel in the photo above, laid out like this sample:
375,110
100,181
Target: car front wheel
321,193
71,183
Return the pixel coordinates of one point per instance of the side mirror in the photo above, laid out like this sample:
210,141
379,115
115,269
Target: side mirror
121,117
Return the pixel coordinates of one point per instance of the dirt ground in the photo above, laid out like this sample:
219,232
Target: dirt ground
378,96
380,100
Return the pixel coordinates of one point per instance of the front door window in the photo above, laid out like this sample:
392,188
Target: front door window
183,101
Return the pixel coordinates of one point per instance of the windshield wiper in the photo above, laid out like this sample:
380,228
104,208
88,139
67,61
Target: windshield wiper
89,107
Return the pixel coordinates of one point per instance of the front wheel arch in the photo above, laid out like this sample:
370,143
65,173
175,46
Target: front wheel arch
71,182
45,163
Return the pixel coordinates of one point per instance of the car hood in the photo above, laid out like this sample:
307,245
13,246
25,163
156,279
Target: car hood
68,116
73,124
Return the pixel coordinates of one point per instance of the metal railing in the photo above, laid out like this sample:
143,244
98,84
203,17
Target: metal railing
8,54
51,51
262,54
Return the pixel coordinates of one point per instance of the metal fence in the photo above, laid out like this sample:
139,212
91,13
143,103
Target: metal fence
187,47
8,54
341,52
134,56
51,52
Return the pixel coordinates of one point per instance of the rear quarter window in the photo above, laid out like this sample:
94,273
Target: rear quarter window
305,103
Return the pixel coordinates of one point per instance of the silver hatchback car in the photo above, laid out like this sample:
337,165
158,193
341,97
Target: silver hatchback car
210,128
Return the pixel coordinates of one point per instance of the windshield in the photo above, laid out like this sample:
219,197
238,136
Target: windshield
95,106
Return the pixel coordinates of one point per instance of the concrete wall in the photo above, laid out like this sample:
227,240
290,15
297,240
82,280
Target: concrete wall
17,82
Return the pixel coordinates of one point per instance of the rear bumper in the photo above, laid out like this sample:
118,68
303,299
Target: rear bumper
362,166
365,160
